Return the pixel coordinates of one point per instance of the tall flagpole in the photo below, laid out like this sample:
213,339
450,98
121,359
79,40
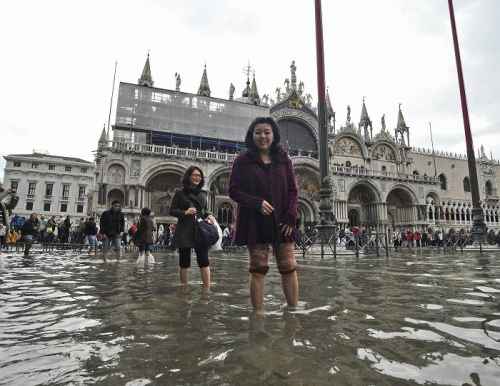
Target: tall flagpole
326,225
112,94
478,226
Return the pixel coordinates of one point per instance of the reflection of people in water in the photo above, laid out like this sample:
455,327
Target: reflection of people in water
270,350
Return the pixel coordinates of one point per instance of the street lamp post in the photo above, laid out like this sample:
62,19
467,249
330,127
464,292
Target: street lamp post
326,225
478,226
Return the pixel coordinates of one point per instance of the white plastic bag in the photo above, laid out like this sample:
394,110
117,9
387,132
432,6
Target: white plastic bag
218,245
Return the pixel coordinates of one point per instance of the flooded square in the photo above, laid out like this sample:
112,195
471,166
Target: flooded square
421,318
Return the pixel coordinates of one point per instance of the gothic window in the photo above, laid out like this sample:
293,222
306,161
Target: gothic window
225,214
489,188
443,182
466,184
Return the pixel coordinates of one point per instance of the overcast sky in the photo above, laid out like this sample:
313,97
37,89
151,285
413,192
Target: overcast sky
58,59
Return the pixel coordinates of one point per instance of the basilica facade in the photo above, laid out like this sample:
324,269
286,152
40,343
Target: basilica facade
380,179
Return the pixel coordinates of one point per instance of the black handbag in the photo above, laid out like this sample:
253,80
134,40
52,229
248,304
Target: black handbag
206,234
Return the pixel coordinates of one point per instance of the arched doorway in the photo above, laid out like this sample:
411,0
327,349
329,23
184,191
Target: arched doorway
305,215
115,195
354,218
361,205
161,189
401,207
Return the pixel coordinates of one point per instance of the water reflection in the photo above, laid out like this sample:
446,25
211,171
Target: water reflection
406,320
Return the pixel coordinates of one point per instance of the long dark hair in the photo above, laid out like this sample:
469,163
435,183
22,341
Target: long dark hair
186,179
275,146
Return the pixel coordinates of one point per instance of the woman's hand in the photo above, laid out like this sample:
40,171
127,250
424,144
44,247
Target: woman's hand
190,211
266,208
287,230
210,219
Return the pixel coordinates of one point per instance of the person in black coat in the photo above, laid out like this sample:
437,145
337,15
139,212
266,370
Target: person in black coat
144,237
112,225
189,203
29,232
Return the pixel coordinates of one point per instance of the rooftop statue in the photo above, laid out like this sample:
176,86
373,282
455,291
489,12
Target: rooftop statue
8,201
301,88
177,81
278,94
382,122
231,91
287,86
348,120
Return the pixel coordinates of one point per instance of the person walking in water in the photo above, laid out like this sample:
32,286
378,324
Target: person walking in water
112,225
143,237
29,232
188,204
263,184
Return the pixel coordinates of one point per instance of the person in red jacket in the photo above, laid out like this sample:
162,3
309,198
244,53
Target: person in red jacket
409,238
263,184
417,236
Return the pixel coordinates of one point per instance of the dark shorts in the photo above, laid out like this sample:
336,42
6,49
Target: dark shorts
201,257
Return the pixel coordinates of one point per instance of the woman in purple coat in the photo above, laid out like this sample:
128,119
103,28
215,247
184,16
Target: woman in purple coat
264,186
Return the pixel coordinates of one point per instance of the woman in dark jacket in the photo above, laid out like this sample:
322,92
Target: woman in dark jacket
143,237
189,203
264,186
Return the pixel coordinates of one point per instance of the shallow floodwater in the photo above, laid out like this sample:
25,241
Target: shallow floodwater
410,319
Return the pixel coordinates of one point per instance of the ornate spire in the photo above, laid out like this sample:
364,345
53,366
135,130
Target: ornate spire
146,79
204,89
254,94
402,129
103,139
401,120
329,108
365,122
247,90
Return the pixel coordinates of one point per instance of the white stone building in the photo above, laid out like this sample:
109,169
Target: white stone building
50,185
380,179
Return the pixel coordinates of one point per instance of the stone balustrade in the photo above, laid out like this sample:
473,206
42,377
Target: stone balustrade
363,172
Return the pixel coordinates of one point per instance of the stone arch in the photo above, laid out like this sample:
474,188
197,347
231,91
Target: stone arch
385,151
349,144
115,195
401,206
297,133
219,182
308,182
362,199
160,187
116,174
161,166
307,213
